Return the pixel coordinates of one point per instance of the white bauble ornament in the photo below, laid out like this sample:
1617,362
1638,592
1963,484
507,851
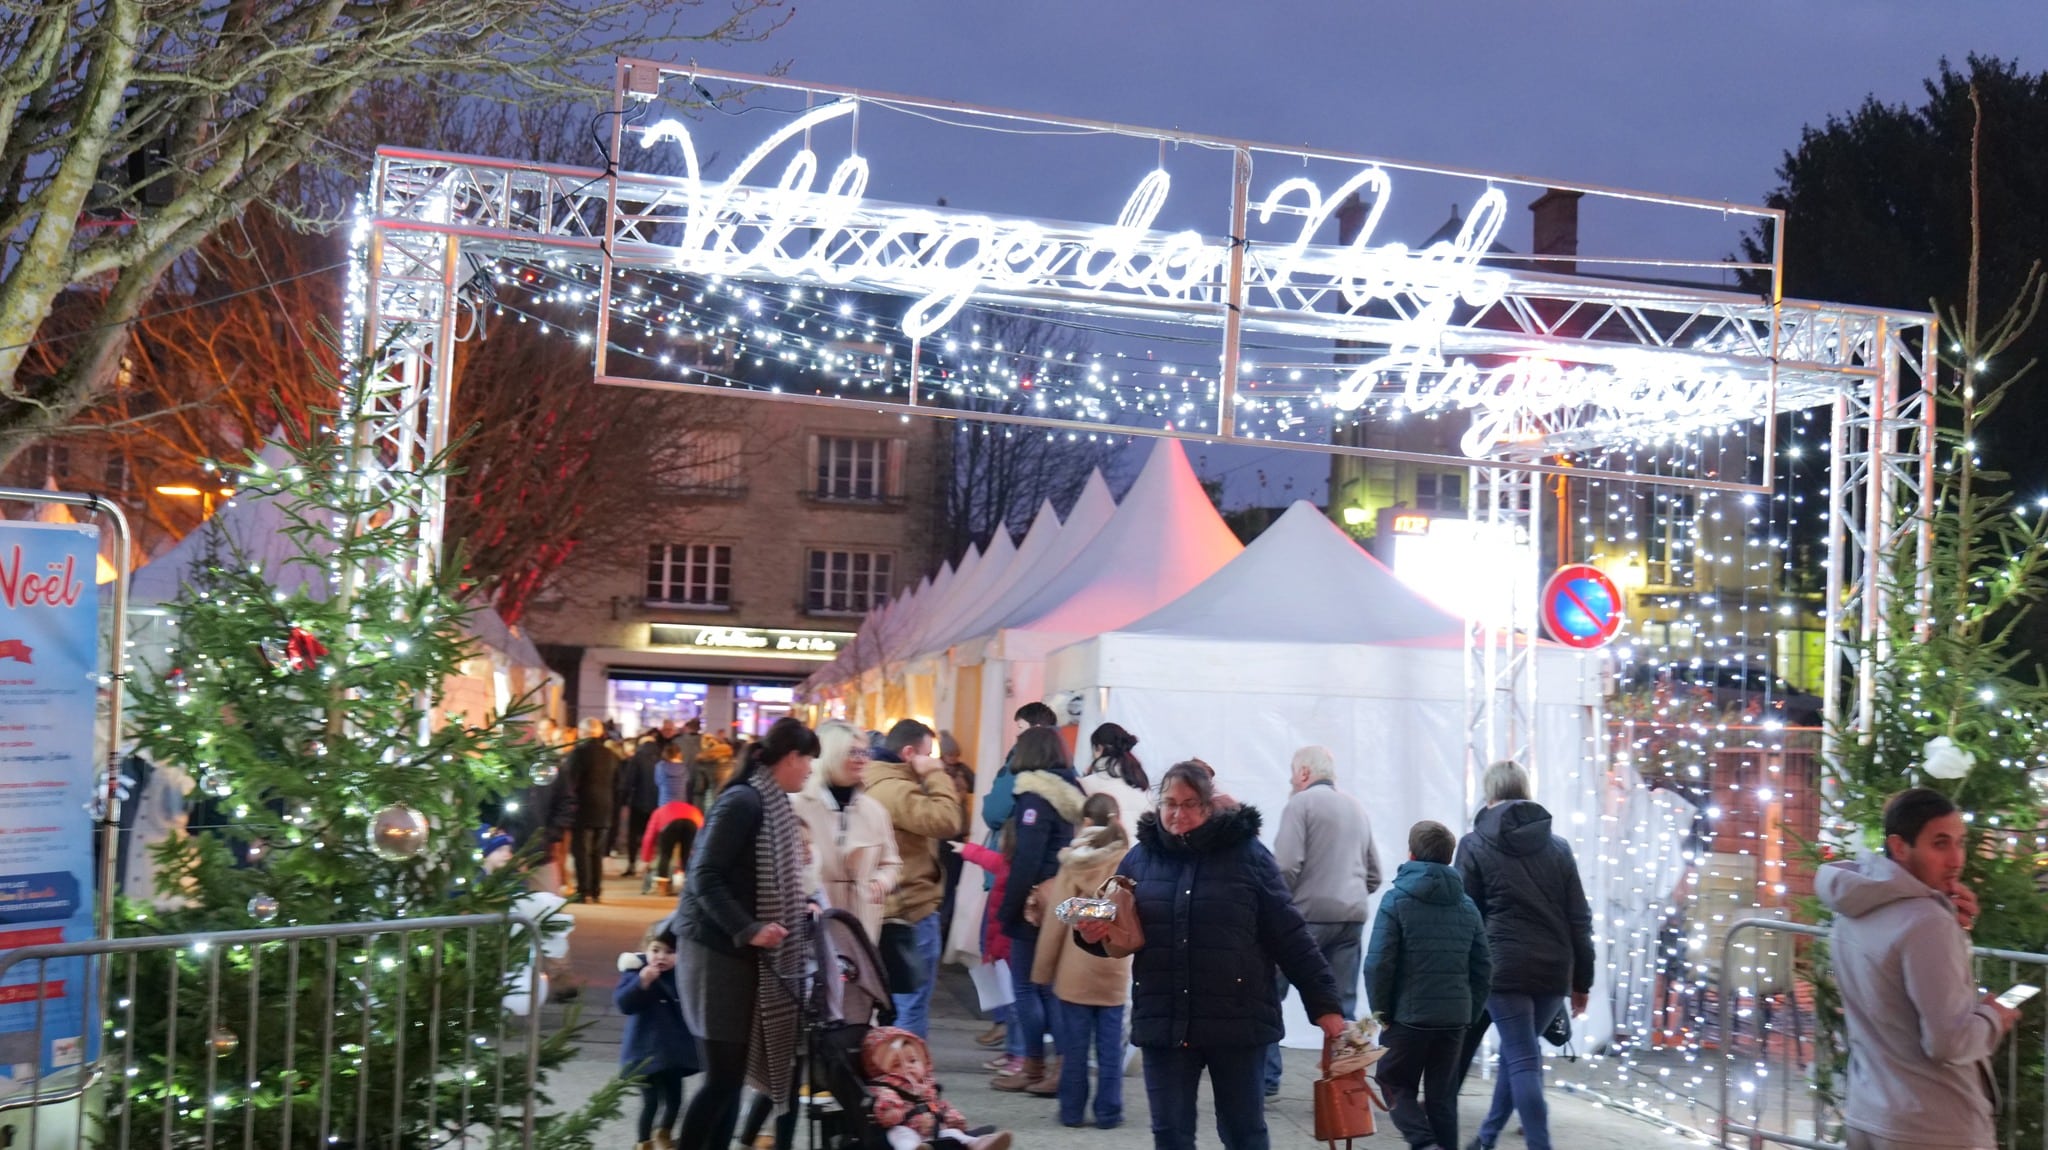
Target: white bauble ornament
1945,760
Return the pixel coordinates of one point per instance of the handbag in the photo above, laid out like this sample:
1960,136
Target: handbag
900,960
1559,1031
1126,932
1344,1103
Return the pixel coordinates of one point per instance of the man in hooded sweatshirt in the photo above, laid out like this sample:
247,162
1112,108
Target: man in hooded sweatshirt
1920,1040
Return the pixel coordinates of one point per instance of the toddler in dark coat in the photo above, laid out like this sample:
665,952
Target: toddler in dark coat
1426,975
658,1047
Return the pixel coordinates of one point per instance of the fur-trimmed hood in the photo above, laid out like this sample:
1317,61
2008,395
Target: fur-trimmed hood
1057,788
1227,828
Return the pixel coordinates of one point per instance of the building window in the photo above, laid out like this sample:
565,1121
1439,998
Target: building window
847,582
706,462
46,462
856,469
116,472
1439,491
1667,538
689,574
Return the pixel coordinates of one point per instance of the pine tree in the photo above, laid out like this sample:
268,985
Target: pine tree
1959,702
304,715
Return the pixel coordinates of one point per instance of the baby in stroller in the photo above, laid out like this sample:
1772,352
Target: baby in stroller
906,1097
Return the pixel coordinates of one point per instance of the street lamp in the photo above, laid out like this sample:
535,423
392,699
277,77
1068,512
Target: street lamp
188,491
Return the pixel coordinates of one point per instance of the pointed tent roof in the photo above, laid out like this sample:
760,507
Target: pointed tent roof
1302,581
251,525
1164,539
1006,563
1091,511
942,599
975,572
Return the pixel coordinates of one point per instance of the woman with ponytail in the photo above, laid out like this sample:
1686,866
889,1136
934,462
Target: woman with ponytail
740,931
1115,771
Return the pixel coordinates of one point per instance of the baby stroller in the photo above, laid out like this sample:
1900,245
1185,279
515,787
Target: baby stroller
849,997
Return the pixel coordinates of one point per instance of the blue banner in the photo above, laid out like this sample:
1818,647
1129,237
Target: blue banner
49,689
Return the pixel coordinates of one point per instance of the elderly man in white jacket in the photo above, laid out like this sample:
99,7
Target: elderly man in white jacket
1920,1040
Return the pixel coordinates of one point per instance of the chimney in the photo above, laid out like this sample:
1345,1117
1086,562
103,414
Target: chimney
1556,230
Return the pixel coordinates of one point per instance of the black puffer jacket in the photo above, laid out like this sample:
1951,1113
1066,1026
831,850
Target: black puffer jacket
1526,885
1217,920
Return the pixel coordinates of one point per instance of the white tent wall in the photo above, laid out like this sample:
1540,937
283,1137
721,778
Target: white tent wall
1394,717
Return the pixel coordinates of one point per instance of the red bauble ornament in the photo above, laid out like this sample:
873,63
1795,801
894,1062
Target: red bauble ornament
302,650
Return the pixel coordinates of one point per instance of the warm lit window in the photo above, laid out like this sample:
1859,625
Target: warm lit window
847,582
689,574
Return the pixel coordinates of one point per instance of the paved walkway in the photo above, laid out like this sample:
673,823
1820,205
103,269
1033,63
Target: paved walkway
605,930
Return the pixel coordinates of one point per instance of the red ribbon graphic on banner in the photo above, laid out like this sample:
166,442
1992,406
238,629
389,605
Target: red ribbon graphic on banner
15,649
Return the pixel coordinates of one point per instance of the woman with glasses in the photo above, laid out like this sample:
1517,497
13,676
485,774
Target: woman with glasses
1217,920
852,841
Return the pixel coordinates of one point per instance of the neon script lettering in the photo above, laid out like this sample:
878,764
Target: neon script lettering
742,225
58,587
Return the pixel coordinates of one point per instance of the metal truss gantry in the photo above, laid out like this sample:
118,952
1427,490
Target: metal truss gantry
426,211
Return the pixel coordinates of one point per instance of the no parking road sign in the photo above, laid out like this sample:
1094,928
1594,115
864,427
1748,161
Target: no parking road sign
1581,607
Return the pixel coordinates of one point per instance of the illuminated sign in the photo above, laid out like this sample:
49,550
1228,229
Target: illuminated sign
1411,525
786,225
744,641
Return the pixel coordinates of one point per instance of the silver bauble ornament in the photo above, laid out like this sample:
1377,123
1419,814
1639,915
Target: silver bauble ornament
263,907
225,1042
398,833
544,774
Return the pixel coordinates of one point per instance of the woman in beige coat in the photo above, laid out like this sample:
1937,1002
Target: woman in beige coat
1092,990
852,842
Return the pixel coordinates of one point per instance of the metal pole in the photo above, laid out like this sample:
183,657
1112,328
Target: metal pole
1233,302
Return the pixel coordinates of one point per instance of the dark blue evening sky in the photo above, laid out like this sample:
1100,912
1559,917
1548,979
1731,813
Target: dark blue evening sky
1695,99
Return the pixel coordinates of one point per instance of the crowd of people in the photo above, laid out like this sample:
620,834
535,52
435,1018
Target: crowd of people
1491,931
1488,931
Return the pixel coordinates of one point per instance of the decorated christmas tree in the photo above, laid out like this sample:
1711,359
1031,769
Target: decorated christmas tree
301,698
1960,701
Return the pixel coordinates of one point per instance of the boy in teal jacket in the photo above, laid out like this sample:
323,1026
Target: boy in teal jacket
1427,974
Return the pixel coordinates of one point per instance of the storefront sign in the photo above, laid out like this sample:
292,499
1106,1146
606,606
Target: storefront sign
746,641
49,683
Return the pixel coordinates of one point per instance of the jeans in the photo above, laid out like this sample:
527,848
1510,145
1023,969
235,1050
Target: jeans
1174,1073
1036,1011
913,1010
1519,1088
1101,1027
1340,944
1419,1076
588,849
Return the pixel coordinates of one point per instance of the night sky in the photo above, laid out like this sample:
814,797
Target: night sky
1693,99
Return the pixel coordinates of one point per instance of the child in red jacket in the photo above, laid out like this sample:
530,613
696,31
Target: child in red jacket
995,945
671,831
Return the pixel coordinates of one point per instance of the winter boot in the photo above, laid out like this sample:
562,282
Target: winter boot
663,1141
1000,1140
1048,1086
643,1146
1021,1078
992,1038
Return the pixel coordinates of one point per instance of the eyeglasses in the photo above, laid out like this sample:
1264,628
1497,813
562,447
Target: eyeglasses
1190,805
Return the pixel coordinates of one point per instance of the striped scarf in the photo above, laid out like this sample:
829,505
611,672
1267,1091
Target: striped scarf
778,897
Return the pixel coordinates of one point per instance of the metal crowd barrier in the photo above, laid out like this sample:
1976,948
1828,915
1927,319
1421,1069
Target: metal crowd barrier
298,1036
1769,1021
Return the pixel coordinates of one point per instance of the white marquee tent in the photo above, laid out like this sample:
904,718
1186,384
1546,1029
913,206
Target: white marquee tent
1304,638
